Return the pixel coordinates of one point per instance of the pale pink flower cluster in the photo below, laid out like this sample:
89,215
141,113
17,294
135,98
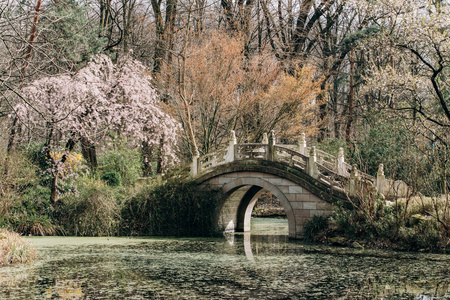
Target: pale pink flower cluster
101,98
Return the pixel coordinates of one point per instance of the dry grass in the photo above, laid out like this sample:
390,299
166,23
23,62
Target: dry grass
14,249
426,205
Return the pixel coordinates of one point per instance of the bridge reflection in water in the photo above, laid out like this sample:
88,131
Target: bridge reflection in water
268,236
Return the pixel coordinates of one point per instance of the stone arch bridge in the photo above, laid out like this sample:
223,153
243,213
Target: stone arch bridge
307,181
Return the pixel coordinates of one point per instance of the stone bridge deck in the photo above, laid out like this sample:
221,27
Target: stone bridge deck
306,180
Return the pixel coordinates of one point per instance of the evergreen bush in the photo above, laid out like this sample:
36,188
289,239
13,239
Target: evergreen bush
314,229
174,209
123,161
24,203
112,178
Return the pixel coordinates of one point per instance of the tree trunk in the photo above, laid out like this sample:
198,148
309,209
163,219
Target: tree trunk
146,157
89,153
323,131
56,167
12,135
32,37
160,156
164,32
9,148
169,28
350,101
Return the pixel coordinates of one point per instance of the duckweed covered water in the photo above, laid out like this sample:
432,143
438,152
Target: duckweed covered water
239,266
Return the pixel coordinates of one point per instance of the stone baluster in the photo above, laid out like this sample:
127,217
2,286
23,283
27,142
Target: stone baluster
340,166
271,152
230,151
265,139
311,166
195,162
302,144
381,179
354,179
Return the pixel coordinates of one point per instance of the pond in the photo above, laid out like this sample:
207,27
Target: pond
261,265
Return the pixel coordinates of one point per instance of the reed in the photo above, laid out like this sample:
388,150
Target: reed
15,249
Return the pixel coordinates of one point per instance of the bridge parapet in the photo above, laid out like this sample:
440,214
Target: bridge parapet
320,165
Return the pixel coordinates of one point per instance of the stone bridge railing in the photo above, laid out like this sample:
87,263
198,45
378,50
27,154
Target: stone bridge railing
327,168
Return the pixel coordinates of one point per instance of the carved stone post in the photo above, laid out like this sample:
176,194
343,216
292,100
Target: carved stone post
195,160
265,139
230,150
340,166
381,179
271,152
311,166
354,178
263,150
302,144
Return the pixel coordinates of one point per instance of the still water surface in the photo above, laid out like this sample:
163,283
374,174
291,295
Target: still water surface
262,265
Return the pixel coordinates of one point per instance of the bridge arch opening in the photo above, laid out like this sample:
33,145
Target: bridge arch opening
241,197
268,216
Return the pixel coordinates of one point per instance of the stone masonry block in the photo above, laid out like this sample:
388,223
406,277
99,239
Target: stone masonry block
275,181
305,191
238,182
214,180
291,197
252,181
246,174
297,205
302,213
224,180
284,189
286,182
309,205
315,198
301,221
303,197
295,189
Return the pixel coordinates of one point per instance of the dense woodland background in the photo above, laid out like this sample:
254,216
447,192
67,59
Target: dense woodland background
136,86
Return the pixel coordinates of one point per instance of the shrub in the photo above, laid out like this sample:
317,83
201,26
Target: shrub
24,205
35,153
173,208
123,161
92,211
112,178
393,226
17,175
32,224
314,229
14,249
